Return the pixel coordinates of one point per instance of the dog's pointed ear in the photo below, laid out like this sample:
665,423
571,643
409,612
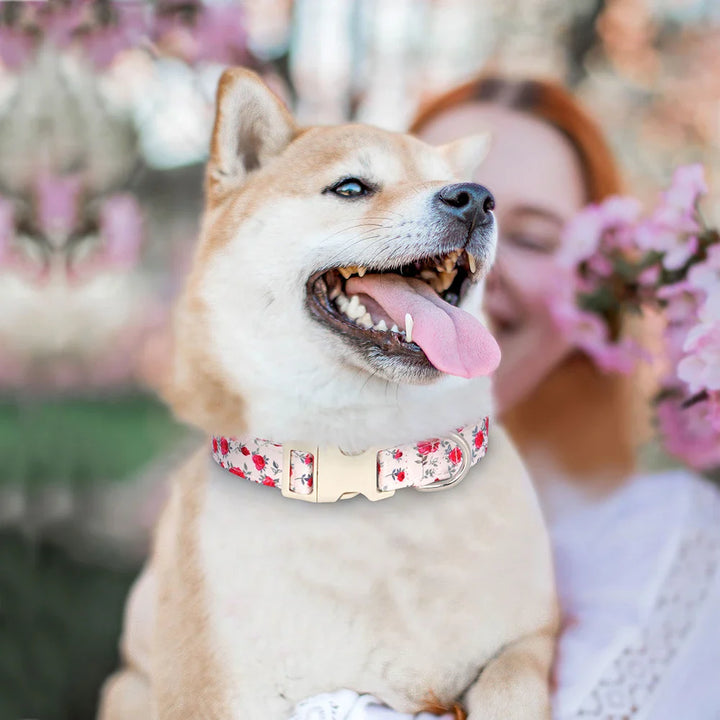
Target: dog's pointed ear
251,126
466,154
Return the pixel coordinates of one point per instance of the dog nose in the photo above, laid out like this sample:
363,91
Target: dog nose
468,202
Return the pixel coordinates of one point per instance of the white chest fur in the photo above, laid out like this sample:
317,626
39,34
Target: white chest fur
390,598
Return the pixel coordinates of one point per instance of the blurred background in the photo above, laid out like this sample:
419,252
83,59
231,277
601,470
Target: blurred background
105,114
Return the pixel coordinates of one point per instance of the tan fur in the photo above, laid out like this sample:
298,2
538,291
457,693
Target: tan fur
252,602
196,389
190,679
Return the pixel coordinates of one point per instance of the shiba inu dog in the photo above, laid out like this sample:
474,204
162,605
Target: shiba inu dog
329,339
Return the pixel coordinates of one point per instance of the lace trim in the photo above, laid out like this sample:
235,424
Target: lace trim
629,683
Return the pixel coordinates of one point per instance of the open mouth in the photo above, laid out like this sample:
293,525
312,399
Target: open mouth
409,313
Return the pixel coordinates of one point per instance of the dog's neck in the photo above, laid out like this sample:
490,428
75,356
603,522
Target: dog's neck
363,413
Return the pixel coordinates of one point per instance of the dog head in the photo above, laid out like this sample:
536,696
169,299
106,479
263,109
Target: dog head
336,289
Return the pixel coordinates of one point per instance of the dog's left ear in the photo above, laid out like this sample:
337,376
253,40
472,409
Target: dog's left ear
466,154
251,126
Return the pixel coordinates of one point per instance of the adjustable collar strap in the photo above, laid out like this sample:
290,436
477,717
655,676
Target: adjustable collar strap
425,465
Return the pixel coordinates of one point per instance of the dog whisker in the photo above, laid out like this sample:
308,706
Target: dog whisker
355,227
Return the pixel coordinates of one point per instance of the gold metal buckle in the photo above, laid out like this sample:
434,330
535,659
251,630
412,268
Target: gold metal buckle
336,475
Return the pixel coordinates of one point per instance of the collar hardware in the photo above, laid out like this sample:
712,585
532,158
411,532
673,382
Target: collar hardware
459,475
336,475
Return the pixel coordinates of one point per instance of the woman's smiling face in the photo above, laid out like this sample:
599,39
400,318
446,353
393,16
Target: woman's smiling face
536,178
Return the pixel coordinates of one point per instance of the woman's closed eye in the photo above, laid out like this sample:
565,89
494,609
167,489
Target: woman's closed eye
531,242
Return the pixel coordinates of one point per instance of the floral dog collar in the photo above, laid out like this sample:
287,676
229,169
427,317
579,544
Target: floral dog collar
326,474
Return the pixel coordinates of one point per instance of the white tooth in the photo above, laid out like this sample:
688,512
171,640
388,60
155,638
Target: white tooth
395,329
355,308
381,326
365,321
471,263
361,271
342,302
408,327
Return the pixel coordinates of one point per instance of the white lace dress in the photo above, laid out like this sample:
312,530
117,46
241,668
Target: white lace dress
639,582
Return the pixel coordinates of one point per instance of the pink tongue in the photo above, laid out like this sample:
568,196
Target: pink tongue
453,340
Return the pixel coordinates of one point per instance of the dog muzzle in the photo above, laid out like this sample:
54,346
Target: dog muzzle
327,474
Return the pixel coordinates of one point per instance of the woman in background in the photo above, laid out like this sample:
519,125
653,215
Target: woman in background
637,556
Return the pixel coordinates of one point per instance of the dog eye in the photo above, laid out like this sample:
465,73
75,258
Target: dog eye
350,188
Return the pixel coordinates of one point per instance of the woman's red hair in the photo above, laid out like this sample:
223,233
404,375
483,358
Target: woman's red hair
547,101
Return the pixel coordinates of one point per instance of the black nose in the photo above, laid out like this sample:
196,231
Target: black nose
468,202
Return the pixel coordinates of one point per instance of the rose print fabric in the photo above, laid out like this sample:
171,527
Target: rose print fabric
418,465
261,461
430,461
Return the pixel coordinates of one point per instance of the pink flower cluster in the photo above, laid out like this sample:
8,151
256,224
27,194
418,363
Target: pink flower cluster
592,245
192,30
62,236
618,262
98,30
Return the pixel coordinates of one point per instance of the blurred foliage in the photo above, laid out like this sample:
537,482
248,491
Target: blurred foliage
81,440
59,629
60,617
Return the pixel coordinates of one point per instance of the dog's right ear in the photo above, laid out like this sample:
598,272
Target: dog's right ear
466,154
251,126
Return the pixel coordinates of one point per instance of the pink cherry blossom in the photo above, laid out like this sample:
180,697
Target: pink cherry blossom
127,29
216,32
667,261
692,434
650,276
674,238
600,265
677,255
121,230
589,332
688,184
583,234
700,369
673,226
710,309
121,234
685,294
706,275
57,203
97,32
618,210
581,237
16,46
